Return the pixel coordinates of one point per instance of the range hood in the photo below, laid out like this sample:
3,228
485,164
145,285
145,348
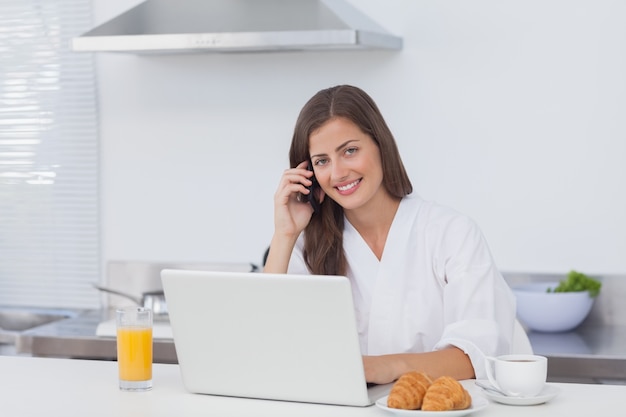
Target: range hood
185,26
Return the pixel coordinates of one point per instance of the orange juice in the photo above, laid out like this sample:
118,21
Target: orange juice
134,353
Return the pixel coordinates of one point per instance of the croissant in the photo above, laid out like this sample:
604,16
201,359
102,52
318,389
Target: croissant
446,393
408,391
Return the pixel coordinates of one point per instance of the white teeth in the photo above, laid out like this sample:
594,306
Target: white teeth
349,186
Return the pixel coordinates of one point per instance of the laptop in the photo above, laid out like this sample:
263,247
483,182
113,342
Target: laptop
268,336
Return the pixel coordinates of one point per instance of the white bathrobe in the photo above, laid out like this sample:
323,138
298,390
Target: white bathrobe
436,286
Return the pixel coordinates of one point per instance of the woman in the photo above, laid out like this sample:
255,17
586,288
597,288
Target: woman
427,293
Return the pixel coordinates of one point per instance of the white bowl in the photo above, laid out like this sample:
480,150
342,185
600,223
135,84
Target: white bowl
544,311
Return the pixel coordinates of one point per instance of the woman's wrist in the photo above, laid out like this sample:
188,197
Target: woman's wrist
279,253
399,365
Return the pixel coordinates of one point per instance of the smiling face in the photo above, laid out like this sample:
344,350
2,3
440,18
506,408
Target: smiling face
347,164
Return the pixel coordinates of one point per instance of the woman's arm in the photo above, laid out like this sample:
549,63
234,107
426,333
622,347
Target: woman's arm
450,361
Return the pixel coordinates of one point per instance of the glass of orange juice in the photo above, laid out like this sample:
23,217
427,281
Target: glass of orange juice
134,348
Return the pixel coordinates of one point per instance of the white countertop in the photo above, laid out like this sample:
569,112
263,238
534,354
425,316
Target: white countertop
70,387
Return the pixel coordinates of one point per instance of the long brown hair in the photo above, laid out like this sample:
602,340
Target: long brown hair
323,236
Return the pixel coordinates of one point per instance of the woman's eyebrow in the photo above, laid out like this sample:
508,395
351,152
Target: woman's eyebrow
343,145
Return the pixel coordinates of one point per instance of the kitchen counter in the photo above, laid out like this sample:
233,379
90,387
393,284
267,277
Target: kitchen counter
589,354
76,338
51,387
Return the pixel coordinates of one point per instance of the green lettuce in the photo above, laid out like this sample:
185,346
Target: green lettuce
577,281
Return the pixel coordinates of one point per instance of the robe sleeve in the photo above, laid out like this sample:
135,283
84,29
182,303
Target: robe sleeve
296,262
479,307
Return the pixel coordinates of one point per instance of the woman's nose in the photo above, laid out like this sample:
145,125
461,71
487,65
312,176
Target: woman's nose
339,171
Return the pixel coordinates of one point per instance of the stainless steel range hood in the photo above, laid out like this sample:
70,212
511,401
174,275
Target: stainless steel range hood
185,26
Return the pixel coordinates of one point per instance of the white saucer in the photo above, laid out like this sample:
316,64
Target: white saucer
548,393
478,403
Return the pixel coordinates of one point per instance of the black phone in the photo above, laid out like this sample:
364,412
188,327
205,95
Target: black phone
313,188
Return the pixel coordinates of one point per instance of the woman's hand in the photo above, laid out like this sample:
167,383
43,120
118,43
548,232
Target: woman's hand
291,215
380,369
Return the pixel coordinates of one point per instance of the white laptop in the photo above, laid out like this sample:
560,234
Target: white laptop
269,336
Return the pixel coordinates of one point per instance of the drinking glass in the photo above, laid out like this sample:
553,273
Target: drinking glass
134,348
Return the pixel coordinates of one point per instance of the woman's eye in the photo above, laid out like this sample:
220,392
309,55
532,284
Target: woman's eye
350,151
320,162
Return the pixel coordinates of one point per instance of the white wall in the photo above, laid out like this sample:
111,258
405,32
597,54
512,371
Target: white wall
512,112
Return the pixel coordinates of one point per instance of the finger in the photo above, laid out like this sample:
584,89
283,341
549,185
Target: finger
293,184
290,191
296,177
300,169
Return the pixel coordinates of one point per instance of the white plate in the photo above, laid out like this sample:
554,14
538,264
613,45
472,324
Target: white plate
478,403
548,393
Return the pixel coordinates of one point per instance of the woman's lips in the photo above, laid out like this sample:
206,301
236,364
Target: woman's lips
348,188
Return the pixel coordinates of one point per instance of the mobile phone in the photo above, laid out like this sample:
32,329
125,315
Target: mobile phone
313,188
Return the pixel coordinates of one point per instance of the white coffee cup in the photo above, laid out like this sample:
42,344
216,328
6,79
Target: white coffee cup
517,375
